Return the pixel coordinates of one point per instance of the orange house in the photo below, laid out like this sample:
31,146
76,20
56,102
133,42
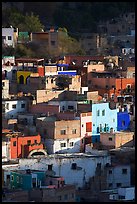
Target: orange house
112,85
20,146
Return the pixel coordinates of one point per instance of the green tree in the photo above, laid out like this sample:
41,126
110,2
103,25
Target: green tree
32,23
67,44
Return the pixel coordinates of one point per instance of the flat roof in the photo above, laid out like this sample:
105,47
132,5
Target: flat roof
29,59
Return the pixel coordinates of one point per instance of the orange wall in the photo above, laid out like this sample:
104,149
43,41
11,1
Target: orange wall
16,151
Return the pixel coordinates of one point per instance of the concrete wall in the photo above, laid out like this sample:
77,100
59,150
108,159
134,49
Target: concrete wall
95,67
5,89
10,112
110,117
45,95
86,166
84,119
118,177
118,139
8,32
54,146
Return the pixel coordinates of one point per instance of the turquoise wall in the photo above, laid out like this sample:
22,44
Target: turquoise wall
24,180
103,118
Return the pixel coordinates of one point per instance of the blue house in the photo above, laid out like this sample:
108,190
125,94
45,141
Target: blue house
27,179
104,119
123,121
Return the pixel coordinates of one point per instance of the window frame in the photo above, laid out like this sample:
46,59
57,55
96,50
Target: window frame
63,132
14,143
14,106
63,144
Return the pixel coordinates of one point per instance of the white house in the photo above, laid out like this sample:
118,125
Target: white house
127,194
70,145
118,176
8,36
11,107
76,168
65,105
8,67
5,89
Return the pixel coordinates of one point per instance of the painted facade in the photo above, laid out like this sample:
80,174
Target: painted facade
118,176
76,168
116,140
22,76
103,120
12,107
5,89
86,129
123,121
21,146
8,36
59,135
26,180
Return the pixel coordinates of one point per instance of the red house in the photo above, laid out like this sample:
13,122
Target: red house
20,146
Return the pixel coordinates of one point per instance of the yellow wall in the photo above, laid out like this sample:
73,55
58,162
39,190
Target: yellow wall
24,73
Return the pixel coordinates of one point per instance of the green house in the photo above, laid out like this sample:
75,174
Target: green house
27,179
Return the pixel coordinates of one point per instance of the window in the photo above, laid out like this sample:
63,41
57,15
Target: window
74,131
110,184
7,106
63,144
66,197
59,197
50,167
89,127
50,183
17,179
52,42
71,144
98,130
3,83
110,138
110,171
82,125
72,195
23,105
105,95
35,141
14,106
113,120
123,123
100,126
103,112
118,184
51,81
124,171
8,176
70,107
14,143
98,112
73,166
12,177
3,37
9,38
63,132
28,142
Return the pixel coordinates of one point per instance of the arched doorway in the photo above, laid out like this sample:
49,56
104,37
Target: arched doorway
28,80
21,79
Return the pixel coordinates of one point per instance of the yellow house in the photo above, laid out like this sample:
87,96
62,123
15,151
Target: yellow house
23,76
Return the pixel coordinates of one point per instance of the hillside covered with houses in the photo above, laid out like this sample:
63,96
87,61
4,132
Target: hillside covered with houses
68,111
